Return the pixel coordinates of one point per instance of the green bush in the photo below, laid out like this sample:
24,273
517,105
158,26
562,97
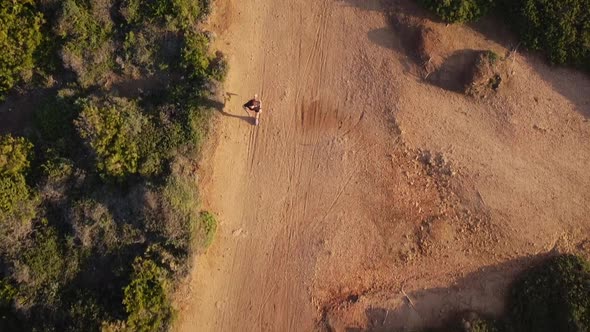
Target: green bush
48,265
195,55
84,314
112,132
146,300
219,67
9,321
159,143
456,11
15,155
484,325
471,321
181,14
180,208
87,49
57,169
17,204
561,28
54,123
20,35
554,296
7,293
209,224
142,49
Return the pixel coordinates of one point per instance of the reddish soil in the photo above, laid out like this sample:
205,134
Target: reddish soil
375,194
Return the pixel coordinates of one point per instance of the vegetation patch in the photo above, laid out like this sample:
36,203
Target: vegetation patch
86,30
559,28
20,35
99,201
112,132
455,11
554,296
145,298
551,296
209,224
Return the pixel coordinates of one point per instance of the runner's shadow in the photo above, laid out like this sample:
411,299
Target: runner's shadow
219,106
248,119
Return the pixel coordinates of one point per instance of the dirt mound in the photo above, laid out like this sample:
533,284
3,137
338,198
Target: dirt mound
421,39
487,75
428,48
436,60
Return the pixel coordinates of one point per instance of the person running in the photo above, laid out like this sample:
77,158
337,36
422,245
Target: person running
254,105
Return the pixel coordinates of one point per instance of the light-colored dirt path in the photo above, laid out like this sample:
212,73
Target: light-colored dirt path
276,187
363,179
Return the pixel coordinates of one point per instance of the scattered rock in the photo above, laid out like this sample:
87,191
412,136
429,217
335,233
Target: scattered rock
237,232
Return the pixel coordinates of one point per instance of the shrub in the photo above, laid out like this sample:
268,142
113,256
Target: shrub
471,321
219,67
94,227
85,314
483,325
18,207
209,224
9,321
561,28
180,207
141,50
20,35
86,32
158,144
456,11
554,296
17,204
54,123
15,155
181,14
44,268
195,57
112,132
145,298
57,169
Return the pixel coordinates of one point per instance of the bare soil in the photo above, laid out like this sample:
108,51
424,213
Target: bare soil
375,194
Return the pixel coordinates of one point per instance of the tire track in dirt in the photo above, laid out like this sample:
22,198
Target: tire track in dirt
322,202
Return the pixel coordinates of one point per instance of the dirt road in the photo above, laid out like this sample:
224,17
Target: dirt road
364,182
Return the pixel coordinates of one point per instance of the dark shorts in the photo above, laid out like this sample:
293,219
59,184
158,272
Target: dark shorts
252,107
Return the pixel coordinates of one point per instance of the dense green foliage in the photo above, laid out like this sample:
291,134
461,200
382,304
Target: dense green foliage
20,35
113,133
99,205
47,266
18,206
17,203
145,298
87,49
561,28
14,155
458,10
554,296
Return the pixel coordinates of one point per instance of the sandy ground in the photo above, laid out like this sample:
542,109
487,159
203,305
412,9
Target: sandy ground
370,197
